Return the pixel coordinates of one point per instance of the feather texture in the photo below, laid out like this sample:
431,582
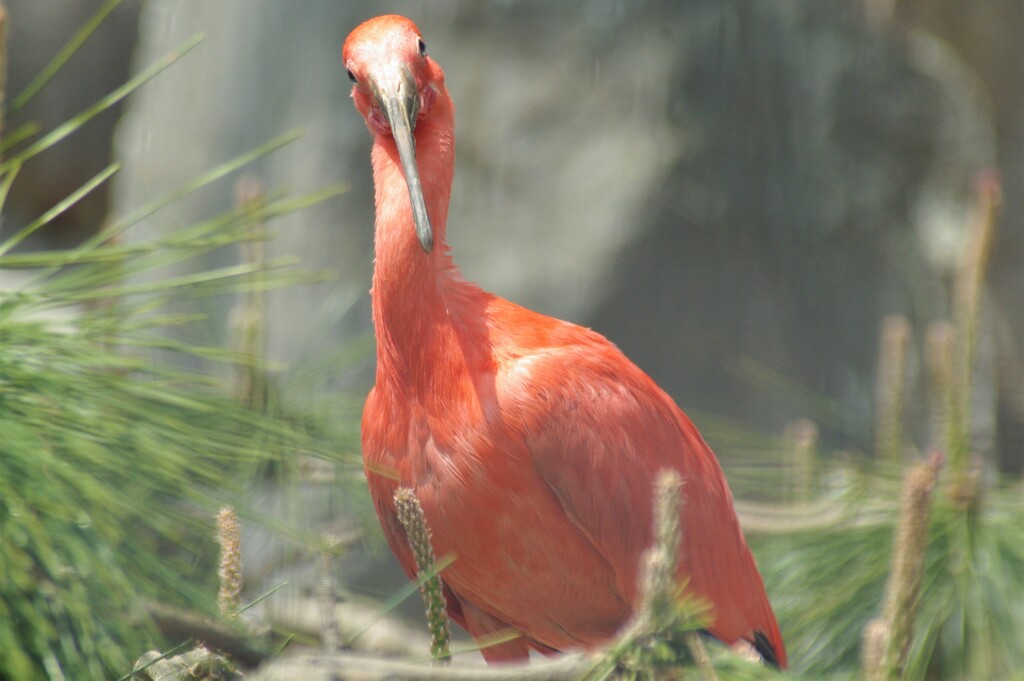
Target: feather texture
531,443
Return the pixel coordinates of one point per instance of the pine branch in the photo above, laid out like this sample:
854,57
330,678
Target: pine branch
410,513
886,640
346,666
229,537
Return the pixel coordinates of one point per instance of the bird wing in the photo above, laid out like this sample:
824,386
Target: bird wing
599,430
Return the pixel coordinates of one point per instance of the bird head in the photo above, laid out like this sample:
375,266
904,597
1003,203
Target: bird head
395,86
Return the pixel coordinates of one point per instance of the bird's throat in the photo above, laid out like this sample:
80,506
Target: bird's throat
410,285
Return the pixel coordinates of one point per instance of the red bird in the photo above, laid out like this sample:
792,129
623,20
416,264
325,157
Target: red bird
532,443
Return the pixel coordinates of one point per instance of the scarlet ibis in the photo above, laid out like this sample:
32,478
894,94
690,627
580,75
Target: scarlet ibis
531,443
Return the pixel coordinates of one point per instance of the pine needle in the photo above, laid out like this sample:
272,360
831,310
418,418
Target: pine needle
62,57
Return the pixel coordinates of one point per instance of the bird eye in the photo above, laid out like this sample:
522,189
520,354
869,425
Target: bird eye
423,47
351,76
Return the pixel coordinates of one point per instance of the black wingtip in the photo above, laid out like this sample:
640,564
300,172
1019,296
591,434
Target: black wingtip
765,648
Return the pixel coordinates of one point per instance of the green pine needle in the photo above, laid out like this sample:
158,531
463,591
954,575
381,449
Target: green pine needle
62,57
74,124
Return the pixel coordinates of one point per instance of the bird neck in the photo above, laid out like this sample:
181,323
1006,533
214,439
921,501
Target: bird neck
415,294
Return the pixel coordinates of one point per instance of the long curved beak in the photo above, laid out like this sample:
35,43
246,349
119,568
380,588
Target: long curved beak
399,100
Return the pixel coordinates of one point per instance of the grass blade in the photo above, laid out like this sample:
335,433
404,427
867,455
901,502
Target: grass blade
66,129
261,598
186,281
62,57
399,596
95,242
5,186
197,183
19,135
54,212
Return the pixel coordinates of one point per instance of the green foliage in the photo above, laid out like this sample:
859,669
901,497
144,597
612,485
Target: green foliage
972,614
827,583
112,462
106,455
96,457
659,653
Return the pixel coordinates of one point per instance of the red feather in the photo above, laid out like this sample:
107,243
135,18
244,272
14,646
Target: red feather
532,443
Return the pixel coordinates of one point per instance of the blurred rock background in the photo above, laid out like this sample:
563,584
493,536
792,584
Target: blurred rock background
724,188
